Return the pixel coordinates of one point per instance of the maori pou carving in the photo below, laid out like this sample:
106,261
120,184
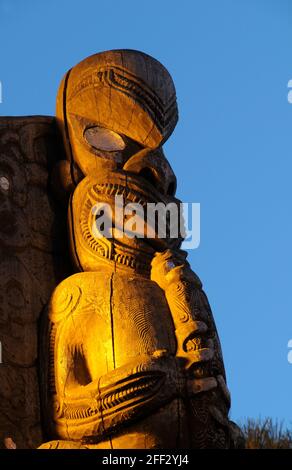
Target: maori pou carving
130,353
32,262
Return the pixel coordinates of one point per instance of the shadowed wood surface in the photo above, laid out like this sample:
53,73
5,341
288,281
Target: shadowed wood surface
32,229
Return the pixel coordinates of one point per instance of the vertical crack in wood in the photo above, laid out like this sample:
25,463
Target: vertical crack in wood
112,320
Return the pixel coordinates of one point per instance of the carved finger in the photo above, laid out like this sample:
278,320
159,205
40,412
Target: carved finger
201,385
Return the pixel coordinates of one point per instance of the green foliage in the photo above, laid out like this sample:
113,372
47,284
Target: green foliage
266,434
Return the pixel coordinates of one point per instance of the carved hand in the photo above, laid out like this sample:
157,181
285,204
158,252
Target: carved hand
198,345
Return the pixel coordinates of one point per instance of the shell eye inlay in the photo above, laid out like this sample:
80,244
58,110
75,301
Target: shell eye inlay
104,139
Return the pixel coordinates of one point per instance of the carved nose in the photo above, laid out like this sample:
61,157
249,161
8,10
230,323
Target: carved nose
154,168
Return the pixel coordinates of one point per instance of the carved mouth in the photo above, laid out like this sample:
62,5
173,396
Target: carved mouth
135,251
139,197
120,396
129,194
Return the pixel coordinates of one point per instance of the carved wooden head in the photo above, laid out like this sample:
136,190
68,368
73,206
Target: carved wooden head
115,110
113,104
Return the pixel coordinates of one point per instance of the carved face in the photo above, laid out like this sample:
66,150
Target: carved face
115,110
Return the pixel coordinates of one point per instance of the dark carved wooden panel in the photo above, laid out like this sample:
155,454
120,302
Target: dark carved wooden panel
32,263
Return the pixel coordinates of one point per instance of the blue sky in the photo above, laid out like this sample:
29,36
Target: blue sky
232,149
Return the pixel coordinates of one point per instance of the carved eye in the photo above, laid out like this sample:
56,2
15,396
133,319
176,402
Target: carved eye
104,139
4,183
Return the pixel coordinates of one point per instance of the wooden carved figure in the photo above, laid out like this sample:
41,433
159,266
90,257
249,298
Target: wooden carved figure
130,356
